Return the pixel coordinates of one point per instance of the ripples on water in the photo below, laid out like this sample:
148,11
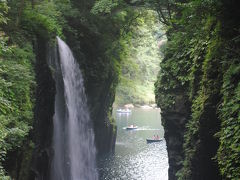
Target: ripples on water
134,159
150,164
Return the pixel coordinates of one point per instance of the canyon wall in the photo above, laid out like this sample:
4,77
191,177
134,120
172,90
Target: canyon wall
197,90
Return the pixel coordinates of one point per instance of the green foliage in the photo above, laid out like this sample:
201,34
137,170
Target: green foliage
204,99
140,61
228,153
17,82
3,11
201,63
16,102
104,6
43,20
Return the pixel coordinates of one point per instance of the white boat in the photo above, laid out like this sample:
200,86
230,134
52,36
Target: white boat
131,127
124,111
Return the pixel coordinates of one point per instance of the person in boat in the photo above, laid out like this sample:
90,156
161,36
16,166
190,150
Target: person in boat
154,137
157,137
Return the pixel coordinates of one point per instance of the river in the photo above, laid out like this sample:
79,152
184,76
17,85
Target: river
134,159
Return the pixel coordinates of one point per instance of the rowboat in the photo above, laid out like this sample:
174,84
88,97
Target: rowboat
131,127
153,140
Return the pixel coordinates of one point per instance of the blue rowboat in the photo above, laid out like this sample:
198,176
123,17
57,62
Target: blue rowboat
153,140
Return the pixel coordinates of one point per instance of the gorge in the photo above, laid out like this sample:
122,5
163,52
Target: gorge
42,87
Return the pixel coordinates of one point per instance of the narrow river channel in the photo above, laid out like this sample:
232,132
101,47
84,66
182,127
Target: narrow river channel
134,159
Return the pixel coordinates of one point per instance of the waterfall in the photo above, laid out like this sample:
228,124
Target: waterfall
73,137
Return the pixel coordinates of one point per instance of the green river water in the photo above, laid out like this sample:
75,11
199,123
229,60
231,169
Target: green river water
134,159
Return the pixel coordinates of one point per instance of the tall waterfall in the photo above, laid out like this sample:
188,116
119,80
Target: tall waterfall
73,137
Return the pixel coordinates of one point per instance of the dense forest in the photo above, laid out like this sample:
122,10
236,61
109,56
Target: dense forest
140,63
197,86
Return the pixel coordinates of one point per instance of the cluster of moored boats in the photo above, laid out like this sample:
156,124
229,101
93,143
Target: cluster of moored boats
132,127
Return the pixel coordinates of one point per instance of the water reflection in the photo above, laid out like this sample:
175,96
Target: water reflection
134,159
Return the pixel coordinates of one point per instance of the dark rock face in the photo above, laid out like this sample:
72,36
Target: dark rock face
205,144
190,119
99,89
174,121
43,114
204,167
100,81
100,100
18,162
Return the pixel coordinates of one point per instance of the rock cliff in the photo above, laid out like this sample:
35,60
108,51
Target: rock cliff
191,89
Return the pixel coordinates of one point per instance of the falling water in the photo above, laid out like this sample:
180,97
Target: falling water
73,138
